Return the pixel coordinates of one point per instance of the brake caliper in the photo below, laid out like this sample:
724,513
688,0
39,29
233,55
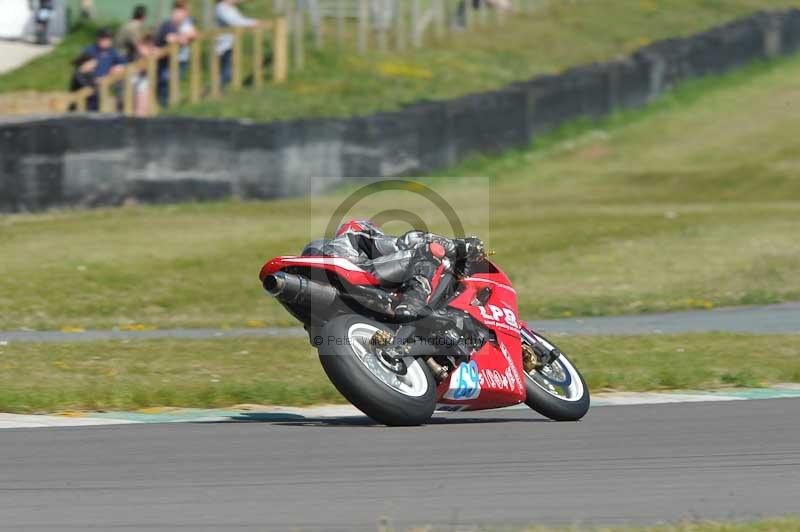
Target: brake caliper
537,355
529,360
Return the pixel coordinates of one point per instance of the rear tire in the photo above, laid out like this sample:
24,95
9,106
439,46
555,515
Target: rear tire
399,395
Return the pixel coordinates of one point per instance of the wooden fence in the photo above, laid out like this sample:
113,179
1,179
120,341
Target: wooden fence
203,82
358,25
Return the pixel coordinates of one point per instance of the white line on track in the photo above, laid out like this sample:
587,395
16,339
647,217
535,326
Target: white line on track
266,413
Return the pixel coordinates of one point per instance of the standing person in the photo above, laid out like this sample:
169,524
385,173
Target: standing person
477,5
131,32
170,32
228,16
461,11
87,9
188,31
43,15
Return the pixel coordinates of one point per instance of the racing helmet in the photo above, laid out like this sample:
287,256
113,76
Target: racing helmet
359,226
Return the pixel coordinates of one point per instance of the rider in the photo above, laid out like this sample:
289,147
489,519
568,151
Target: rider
412,262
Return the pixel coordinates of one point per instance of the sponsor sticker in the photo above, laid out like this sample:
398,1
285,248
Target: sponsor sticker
511,366
503,318
495,380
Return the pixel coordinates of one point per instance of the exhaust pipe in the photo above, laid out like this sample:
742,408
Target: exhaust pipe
294,289
297,290
274,284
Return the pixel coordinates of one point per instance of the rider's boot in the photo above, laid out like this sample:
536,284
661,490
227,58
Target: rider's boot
415,299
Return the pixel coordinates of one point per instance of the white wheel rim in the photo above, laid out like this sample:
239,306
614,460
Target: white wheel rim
560,368
413,384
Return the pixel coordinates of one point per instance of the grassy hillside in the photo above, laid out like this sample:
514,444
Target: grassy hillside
786,524
50,72
691,203
562,35
342,83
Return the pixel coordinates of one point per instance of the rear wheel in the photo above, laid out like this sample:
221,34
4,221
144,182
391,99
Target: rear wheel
393,391
556,389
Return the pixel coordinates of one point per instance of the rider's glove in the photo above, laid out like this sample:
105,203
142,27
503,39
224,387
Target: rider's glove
471,249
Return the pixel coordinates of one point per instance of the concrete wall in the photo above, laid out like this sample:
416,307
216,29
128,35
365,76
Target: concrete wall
103,160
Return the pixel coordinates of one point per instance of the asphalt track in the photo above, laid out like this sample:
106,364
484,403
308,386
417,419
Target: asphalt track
769,319
621,465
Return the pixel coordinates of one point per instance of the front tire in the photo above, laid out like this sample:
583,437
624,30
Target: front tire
395,393
557,390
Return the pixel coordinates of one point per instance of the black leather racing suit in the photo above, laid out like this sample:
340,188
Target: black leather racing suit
407,262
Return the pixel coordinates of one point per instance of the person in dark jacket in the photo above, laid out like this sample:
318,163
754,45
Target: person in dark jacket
412,262
82,77
109,60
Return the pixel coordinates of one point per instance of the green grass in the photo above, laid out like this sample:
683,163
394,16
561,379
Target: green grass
342,83
219,373
336,84
130,375
690,361
693,202
51,72
784,524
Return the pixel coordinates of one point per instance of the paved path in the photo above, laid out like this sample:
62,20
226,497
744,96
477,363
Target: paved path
621,465
772,319
14,54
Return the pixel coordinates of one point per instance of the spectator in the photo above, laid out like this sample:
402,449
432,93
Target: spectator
188,31
82,77
500,5
109,61
43,15
228,16
141,85
461,11
131,32
170,32
87,9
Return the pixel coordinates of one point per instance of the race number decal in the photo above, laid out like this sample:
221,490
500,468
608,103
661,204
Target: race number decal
465,383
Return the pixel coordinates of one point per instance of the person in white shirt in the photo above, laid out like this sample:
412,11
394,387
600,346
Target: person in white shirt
228,16
189,33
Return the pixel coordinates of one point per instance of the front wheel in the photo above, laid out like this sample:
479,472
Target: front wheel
391,391
556,390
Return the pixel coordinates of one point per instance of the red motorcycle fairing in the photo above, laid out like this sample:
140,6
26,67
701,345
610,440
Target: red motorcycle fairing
340,266
494,376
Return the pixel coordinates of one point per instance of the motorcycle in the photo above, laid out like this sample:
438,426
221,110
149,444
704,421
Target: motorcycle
470,352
